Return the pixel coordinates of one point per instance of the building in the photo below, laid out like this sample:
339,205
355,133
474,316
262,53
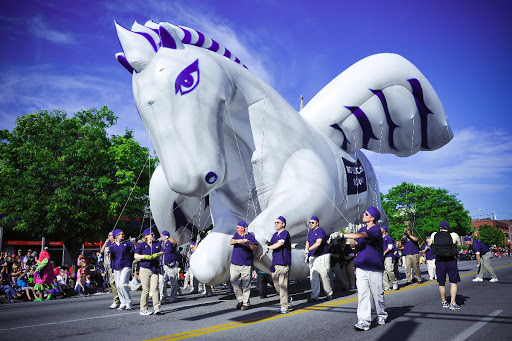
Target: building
503,225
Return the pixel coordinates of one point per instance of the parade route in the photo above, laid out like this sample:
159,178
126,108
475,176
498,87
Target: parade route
415,313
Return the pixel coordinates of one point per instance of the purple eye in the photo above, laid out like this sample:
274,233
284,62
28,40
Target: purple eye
188,79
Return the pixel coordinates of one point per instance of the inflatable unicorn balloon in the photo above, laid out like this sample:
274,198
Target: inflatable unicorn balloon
222,133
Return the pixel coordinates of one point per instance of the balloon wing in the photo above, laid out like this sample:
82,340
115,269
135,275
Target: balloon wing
382,103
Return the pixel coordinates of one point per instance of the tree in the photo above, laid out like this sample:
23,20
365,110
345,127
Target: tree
422,208
490,235
66,179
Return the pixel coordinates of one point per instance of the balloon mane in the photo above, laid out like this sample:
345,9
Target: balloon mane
155,35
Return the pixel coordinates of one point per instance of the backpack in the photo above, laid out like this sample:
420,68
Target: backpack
443,245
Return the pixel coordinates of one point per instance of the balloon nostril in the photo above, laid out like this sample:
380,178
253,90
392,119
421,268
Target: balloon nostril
211,178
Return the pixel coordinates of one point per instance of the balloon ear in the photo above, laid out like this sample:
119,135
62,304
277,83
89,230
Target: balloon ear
138,50
169,37
121,58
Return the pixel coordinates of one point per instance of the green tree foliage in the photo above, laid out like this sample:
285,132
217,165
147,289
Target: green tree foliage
67,179
491,235
421,209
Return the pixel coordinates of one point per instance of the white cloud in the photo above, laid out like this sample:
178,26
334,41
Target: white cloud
473,157
41,29
27,90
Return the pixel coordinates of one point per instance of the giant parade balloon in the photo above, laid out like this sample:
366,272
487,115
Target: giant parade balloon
232,148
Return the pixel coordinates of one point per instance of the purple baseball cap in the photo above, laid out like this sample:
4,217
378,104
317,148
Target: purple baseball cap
242,224
165,234
282,219
146,232
467,239
444,225
315,218
385,228
374,212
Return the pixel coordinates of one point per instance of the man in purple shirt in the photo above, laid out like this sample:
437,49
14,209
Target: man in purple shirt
170,268
369,265
148,253
121,255
431,259
483,256
108,268
411,250
446,265
244,245
281,262
387,246
319,260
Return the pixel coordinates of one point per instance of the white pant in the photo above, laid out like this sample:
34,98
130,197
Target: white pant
122,278
431,264
369,283
319,271
170,274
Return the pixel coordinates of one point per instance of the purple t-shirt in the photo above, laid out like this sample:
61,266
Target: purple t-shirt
121,255
428,252
369,250
170,253
410,247
146,249
242,253
283,254
313,236
478,246
386,240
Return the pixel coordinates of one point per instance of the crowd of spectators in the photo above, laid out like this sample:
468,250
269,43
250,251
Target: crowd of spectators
17,276
89,276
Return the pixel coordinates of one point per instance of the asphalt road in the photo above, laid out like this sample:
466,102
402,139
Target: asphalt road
415,313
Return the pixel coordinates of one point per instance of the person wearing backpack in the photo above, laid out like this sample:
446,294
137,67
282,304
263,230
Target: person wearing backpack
483,257
444,247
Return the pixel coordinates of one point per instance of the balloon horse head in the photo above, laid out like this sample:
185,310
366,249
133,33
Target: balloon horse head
222,133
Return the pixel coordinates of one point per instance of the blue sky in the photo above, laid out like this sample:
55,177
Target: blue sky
60,55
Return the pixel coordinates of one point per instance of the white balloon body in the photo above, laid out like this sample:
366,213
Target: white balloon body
222,132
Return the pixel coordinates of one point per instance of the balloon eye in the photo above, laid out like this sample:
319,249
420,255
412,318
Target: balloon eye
188,79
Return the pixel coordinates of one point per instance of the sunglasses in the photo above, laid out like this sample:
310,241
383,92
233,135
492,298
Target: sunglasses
279,222
312,222
366,213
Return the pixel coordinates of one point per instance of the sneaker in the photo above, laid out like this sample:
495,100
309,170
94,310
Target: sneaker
312,300
362,326
157,312
387,289
454,306
113,306
244,307
284,310
145,312
381,320
128,307
239,305
494,279
446,305
121,307
395,286
329,298
290,299
478,279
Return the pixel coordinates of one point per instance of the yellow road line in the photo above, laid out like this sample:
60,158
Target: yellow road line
231,325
